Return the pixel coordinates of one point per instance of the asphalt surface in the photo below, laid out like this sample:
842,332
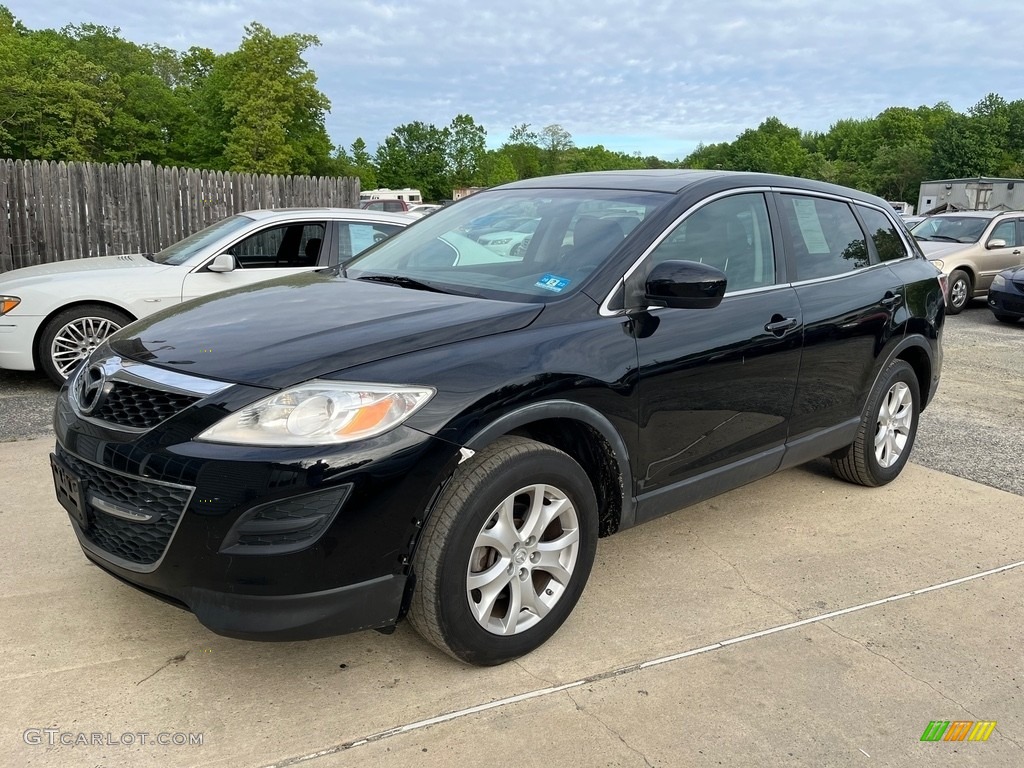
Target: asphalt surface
971,430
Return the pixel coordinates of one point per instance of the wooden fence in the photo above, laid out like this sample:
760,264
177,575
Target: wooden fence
53,211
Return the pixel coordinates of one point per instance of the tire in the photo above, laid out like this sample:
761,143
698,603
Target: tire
1005,318
887,430
481,525
960,291
72,335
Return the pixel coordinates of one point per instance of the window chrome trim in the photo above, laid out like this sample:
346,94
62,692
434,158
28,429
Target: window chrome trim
605,311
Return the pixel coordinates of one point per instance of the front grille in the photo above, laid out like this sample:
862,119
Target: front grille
139,543
1020,285
129,405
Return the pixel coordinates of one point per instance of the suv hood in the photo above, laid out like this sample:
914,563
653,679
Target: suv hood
282,332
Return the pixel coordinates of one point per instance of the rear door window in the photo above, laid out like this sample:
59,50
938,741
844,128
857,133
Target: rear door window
823,235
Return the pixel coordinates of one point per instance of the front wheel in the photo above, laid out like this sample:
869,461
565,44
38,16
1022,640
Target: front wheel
73,334
887,430
960,291
505,555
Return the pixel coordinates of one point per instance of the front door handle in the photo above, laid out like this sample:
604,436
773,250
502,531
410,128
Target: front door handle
779,324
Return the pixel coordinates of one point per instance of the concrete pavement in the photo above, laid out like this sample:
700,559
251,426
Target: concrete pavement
81,653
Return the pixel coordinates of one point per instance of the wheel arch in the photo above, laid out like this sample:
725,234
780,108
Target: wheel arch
915,351
589,438
63,308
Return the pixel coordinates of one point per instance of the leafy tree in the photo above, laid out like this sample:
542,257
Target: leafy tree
523,150
466,146
414,154
276,111
772,148
557,144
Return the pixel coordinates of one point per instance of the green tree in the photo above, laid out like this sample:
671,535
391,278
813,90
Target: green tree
414,155
523,150
465,150
276,110
557,144
773,147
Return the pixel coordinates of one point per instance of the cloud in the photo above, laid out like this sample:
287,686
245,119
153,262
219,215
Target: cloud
660,74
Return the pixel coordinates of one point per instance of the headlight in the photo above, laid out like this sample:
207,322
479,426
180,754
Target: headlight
937,263
7,303
320,412
998,281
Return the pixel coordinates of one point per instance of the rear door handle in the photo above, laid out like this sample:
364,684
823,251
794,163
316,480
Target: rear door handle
779,324
891,299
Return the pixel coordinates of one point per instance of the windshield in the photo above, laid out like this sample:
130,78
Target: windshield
560,237
951,229
183,250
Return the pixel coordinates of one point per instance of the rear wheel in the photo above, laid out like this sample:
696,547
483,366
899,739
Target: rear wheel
887,430
506,552
73,334
960,290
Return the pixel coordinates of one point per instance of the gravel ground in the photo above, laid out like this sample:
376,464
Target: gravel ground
974,428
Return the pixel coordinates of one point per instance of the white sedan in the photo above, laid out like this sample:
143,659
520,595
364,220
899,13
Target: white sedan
53,315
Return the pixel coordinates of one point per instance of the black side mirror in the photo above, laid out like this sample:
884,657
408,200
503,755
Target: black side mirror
685,285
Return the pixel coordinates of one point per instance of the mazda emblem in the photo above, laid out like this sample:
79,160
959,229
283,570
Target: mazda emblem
92,388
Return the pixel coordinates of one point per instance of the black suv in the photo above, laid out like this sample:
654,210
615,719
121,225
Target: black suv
442,431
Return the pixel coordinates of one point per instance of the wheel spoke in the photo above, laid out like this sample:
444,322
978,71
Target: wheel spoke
489,594
497,573
531,601
542,511
550,560
510,624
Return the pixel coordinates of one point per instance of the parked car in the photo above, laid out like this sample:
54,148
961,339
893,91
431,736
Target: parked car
53,315
913,221
1006,295
510,242
389,205
441,432
423,209
972,247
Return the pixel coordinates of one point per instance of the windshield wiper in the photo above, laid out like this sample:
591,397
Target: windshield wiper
947,238
404,282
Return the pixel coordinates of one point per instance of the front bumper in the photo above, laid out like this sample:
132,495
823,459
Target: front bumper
1008,302
259,543
17,333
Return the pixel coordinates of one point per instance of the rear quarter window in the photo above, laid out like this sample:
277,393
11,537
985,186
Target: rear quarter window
888,243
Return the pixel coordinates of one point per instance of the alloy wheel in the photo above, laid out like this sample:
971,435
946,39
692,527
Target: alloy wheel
895,418
75,341
523,559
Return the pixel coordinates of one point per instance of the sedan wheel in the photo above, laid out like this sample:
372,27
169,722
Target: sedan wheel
506,552
71,337
959,291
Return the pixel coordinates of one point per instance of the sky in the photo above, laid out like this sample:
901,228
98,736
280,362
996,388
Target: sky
641,76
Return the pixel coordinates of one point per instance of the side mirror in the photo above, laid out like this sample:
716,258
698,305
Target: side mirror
223,262
996,243
685,285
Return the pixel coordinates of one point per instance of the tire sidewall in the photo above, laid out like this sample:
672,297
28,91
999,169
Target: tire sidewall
900,371
462,633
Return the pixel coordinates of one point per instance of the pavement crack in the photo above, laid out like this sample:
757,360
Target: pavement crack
612,731
173,660
901,669
738,572
533,675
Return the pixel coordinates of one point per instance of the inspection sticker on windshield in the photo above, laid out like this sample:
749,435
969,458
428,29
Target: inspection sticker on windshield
553,283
